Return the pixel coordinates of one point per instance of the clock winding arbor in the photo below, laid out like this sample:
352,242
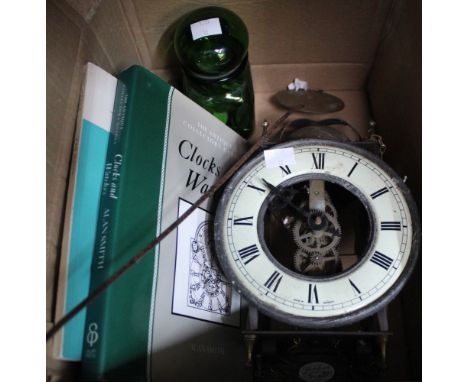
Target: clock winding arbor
325,239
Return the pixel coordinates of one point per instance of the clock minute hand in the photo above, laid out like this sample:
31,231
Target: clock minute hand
315,219
278,193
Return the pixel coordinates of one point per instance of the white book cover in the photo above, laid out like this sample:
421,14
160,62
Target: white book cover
87,170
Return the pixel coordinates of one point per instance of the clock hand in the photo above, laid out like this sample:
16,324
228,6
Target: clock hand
315,219
277,191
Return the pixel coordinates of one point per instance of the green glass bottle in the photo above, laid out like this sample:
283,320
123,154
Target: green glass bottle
211,44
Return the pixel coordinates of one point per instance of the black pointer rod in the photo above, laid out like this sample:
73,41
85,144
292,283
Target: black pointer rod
270,132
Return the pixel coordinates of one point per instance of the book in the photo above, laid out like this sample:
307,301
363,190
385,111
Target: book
172,316
87,170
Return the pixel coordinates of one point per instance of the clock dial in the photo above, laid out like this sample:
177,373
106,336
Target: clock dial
325,240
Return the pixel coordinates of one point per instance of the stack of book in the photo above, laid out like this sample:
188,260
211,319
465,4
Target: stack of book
173,316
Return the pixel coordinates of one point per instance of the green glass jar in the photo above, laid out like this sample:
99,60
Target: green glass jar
211,44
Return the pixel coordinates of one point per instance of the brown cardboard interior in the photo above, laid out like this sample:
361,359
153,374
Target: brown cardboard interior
366,52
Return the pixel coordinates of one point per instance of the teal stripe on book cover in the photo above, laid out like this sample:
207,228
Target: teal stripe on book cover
90,172
122,313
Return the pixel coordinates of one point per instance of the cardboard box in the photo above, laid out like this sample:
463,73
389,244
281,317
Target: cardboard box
368,53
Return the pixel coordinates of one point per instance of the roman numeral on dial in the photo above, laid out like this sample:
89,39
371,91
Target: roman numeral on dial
390,226
319,160
352,169
273,281
285,169
244,221
354,286
256,188
249,253
313,293
381,260
377,193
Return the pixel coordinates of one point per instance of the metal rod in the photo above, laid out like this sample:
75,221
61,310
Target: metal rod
270,132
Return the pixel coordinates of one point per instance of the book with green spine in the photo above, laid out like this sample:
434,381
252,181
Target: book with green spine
172,316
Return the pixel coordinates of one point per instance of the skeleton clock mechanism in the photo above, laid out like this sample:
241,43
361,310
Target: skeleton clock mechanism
319,234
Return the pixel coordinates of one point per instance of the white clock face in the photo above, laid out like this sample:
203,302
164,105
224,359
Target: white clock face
248,258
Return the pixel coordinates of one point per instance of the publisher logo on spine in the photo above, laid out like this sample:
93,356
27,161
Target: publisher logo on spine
92,336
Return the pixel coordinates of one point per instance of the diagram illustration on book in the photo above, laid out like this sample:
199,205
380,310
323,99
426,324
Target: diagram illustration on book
201,290
208,288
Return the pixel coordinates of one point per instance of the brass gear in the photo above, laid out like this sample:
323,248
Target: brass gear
310,262
322,241
315,248
329,207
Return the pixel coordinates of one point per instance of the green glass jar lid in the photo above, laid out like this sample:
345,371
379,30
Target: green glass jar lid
211,42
